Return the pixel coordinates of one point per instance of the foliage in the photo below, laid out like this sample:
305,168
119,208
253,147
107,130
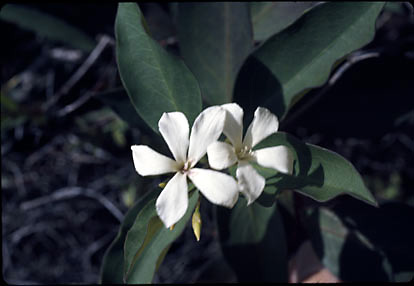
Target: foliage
216,41
265,54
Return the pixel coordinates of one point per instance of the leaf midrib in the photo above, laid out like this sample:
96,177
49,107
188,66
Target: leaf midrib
152,49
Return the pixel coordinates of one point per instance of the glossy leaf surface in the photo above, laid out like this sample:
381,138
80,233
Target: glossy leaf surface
269,18
113,261
148,241
360,243
319,173
214,40
301,56
155,80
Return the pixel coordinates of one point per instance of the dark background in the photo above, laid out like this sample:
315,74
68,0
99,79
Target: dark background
67,177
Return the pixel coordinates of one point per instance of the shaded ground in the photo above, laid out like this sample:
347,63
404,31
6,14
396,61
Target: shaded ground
67,175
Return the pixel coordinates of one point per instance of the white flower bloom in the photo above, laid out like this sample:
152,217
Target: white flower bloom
217,187
222,155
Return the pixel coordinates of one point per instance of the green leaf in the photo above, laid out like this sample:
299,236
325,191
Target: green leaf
113,260
47,25
388,229
155,80
357,242
319,173
215,38
301,56
269,18
253,242
148,240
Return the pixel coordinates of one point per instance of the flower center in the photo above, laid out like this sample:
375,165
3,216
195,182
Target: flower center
244,153
186,167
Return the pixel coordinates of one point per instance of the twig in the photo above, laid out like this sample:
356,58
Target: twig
26,230
354,58
71,192
71,107
93,56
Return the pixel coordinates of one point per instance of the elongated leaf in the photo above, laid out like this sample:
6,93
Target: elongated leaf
113,261
147,241
269,18
361,243
253,242
155,80
388,229
214,40
301,56
319,173
47,25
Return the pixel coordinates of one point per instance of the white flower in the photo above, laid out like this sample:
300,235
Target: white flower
222,155
217,187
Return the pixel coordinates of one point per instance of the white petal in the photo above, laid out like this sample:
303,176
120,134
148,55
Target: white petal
172,203
174,129
206,129
219,188
264,124
251,184
279,158
233,127
149,162
221,155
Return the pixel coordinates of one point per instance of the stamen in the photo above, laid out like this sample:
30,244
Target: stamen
244,153
186,167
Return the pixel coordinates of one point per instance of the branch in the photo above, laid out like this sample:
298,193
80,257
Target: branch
71,192
93,56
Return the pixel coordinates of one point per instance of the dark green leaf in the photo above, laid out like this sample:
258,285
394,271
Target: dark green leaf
47,25
269,18
360,243
113,261
301,56
319,173
147,241
215,38
253,242
388,229
155,80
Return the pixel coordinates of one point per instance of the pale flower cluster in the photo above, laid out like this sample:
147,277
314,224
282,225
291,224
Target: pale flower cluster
187,149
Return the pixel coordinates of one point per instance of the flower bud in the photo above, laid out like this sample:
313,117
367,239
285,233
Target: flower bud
196,221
